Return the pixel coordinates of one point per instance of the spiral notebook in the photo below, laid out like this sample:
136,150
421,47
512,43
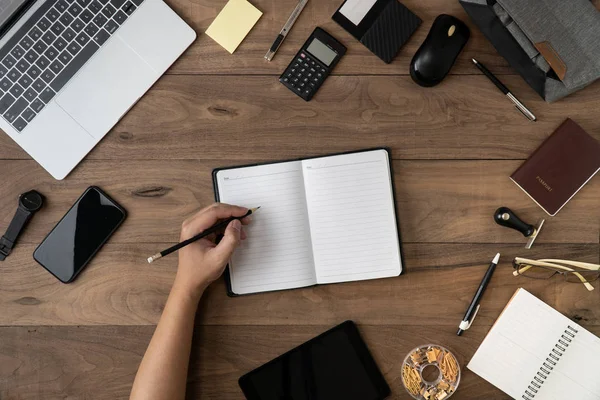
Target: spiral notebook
534,352
322,220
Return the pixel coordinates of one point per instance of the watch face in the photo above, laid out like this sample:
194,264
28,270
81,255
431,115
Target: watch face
32,200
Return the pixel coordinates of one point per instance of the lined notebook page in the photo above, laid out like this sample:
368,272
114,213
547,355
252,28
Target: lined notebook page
522,340
352,217
277,254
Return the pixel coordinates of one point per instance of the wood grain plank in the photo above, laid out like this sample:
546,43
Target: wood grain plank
74,363
120,288
437,201
206,57
204,117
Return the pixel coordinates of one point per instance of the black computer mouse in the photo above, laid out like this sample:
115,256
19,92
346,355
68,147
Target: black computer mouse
432,62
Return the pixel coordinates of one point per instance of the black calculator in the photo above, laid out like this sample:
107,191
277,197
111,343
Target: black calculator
313,63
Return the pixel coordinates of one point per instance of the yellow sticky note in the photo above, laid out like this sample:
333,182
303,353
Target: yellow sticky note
233,24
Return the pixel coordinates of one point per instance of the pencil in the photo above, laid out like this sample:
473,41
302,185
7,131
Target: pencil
213,229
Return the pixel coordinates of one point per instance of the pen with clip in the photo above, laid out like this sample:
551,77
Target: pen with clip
519,106
474,306
285,30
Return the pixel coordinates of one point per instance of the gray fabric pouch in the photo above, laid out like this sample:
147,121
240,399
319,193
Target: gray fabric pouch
554,44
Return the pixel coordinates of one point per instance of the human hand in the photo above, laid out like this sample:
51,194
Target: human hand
202,262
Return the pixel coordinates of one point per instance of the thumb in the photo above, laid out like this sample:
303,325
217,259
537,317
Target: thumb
230,241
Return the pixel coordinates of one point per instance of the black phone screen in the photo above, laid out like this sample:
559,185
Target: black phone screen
334,365
79,234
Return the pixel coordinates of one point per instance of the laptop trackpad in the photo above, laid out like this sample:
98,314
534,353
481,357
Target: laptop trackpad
106,87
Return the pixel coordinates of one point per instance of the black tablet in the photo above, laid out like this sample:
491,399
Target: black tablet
334,365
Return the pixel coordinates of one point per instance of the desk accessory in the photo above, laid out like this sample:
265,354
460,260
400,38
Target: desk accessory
334,365
304,235
233,24
474,306
573,271
88,65
312,65
285,30
518,105
444,42
29,203
553,44
534,352
504,216
430,372
80,234
215,228
382,26
560,167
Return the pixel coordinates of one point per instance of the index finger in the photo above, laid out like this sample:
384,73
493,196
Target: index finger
210,215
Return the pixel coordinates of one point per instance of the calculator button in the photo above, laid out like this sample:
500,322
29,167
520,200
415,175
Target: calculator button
302,84
298,60
295,80
307,92
302,55
293,70
305,79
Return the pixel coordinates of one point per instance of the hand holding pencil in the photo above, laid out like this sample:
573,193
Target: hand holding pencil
201,261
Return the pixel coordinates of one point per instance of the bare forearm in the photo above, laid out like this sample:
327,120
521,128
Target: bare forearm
163,372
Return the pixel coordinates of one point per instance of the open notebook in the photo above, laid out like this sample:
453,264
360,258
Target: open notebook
534,352
322,220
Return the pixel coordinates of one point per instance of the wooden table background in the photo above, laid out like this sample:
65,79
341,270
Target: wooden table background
453,146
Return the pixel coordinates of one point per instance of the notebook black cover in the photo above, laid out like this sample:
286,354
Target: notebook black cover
226,273
384,29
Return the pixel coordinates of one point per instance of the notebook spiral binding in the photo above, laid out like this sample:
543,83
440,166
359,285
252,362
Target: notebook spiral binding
547,366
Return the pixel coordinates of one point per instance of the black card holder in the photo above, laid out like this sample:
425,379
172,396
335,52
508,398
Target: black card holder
384,30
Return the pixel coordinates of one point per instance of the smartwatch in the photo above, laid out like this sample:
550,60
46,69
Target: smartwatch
29,203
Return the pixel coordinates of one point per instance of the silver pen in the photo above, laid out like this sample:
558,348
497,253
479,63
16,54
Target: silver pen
519,106
286,28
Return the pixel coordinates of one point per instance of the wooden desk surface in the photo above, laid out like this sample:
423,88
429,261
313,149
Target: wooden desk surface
454,147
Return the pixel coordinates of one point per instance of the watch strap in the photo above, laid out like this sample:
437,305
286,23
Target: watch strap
15,228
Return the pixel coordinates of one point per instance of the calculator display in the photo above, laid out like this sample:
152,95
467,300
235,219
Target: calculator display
321,51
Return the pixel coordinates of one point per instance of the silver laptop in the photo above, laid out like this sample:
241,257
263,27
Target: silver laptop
70,69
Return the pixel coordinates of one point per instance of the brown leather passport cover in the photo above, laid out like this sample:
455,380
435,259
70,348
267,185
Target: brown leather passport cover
561,166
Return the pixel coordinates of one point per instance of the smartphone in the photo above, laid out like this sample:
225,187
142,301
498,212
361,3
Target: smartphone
78,236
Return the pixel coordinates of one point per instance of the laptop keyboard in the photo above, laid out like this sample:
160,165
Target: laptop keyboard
49,49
